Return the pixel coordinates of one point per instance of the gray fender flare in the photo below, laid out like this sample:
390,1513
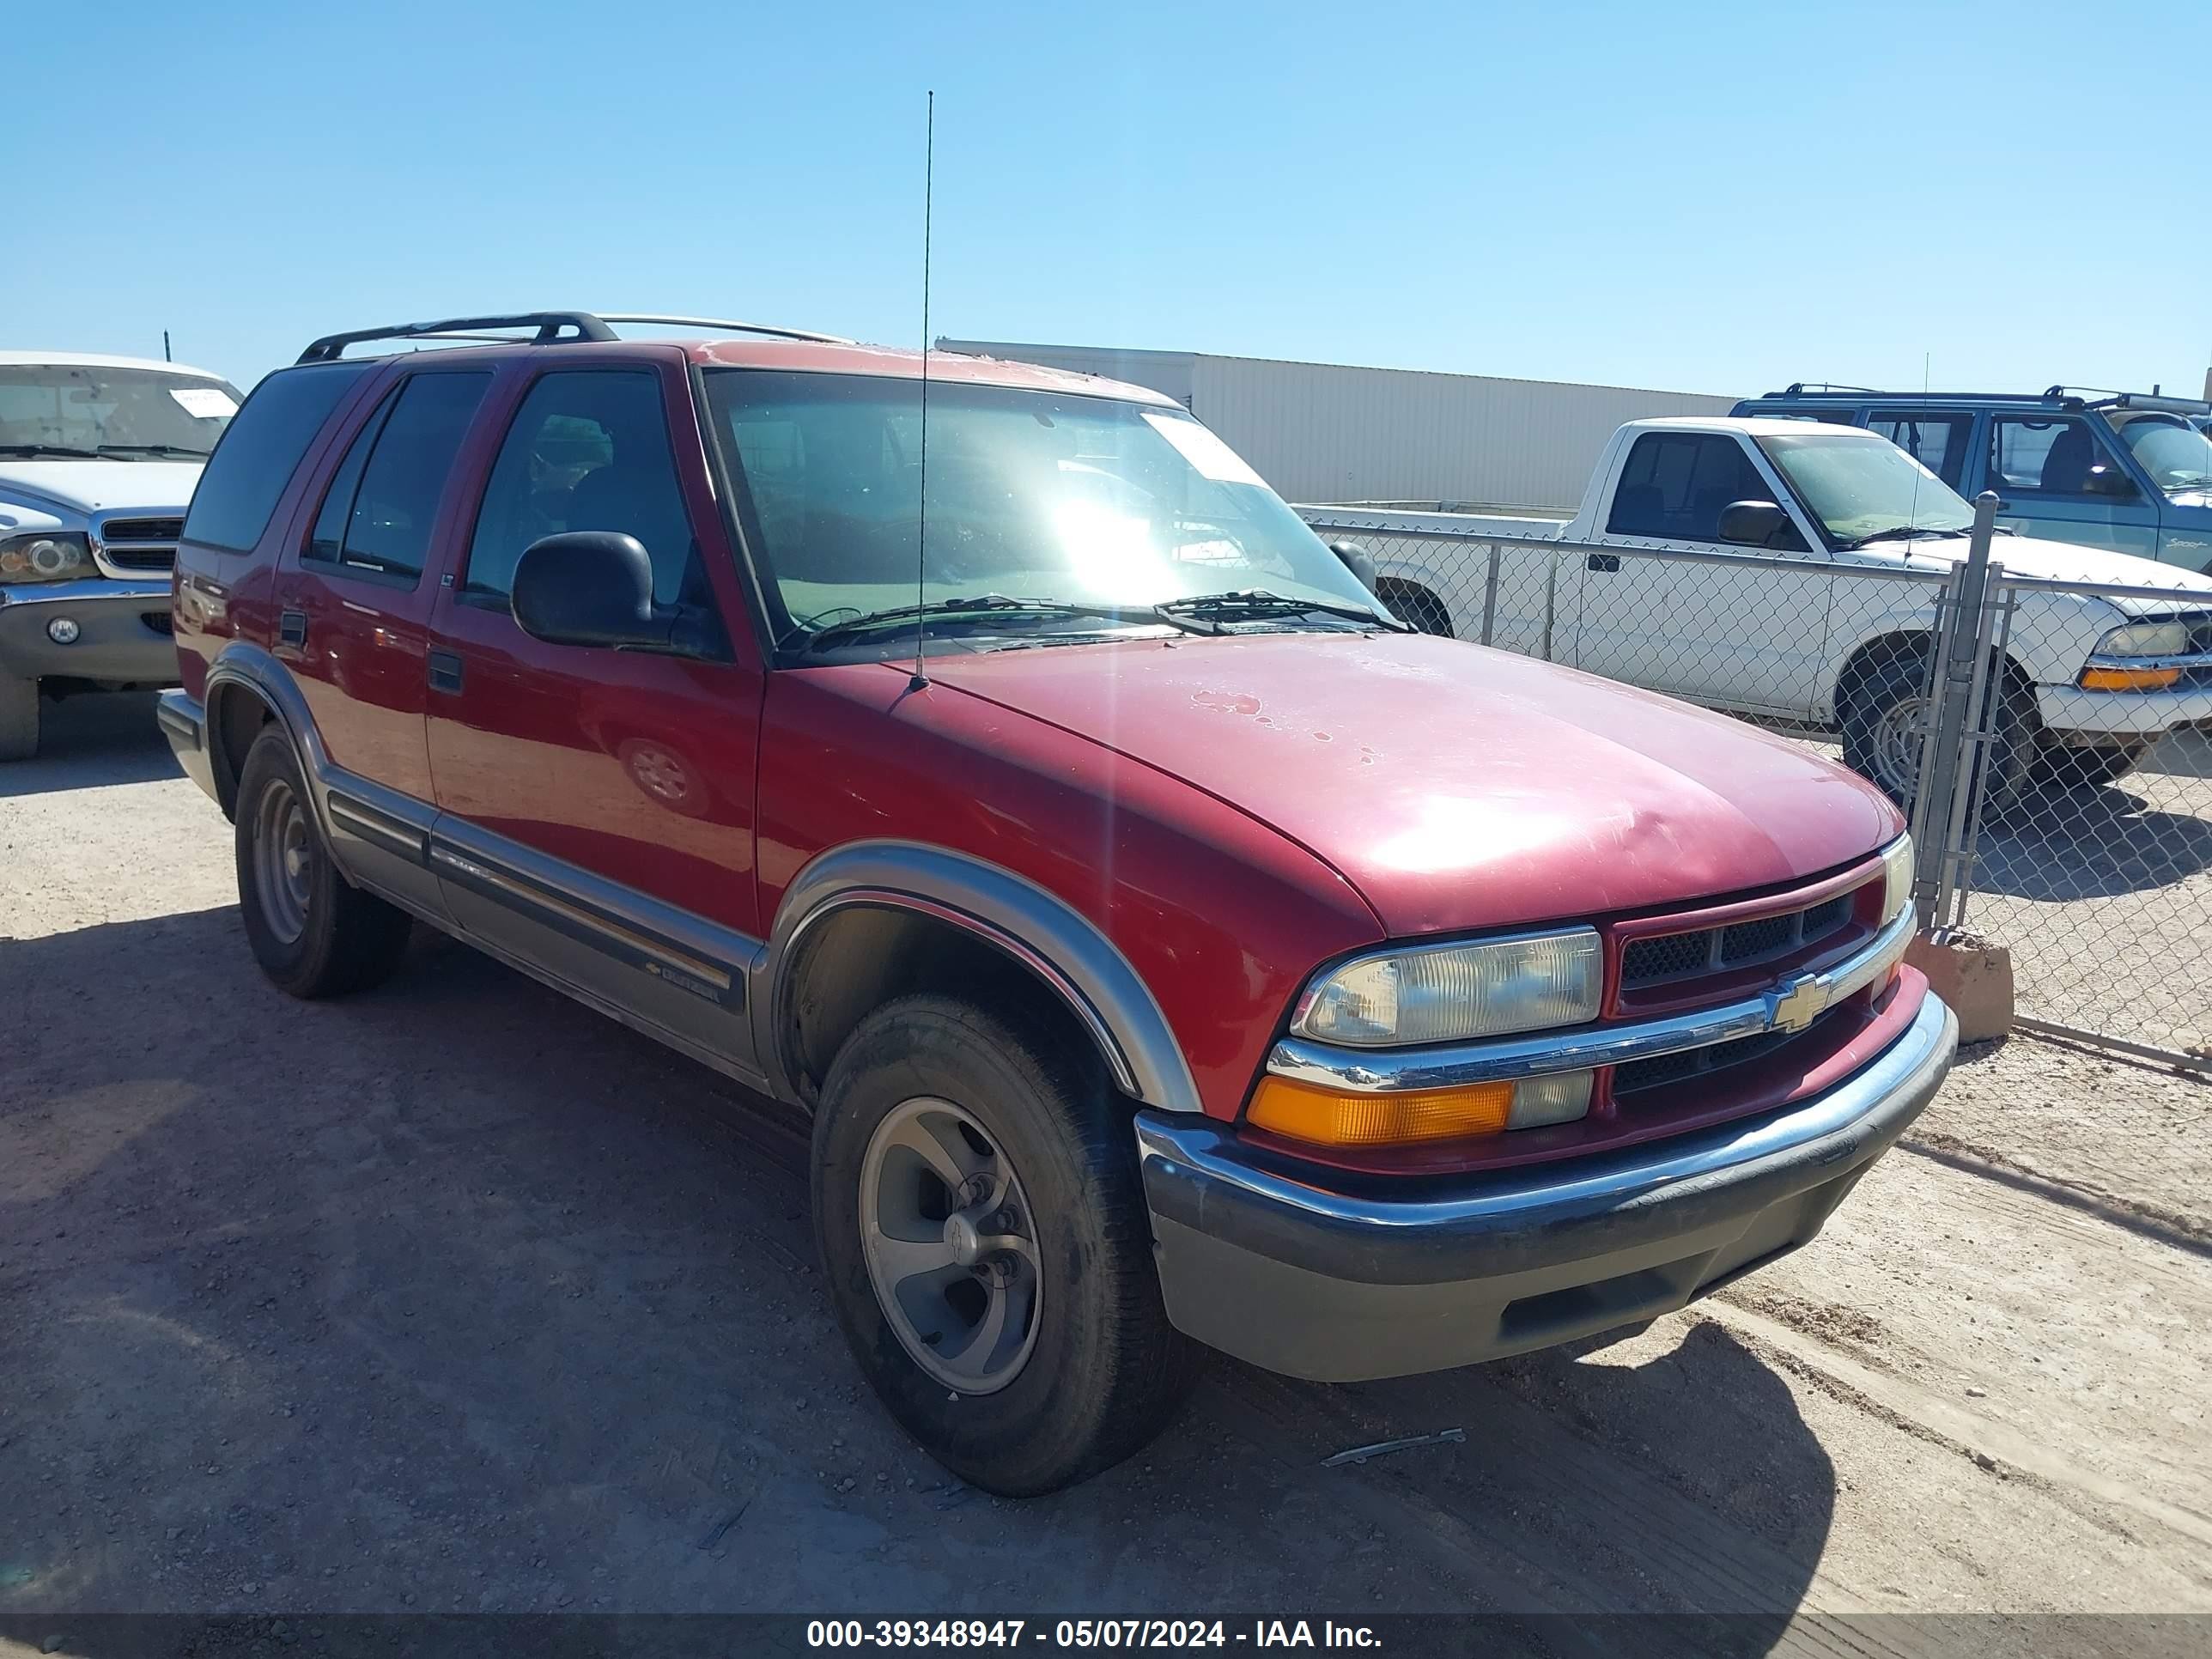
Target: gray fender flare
1035,927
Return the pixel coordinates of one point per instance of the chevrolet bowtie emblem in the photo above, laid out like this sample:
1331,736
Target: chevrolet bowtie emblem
1799,1006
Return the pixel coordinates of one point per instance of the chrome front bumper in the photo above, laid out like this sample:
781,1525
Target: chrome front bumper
2089,715
113,643
1387,1277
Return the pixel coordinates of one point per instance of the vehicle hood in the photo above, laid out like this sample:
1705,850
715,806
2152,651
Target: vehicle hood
2069,561
97,486
1454,787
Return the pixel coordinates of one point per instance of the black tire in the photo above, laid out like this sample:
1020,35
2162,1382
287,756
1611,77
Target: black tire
1410,603
21,707
1876,705
2064,767
1105,1370
342,939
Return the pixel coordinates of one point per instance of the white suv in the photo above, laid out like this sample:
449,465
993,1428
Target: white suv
98,459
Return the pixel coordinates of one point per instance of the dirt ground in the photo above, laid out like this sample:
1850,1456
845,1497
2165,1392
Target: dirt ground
457,1297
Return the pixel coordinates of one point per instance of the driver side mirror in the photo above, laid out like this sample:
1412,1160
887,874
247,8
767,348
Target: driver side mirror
2110,482
1357,561
593,587
1753,523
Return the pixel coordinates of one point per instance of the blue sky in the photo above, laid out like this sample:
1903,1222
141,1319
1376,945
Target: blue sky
1699,197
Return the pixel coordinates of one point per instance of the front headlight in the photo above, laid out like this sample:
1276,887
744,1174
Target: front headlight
1449,993
2166,639
45,556
1896,877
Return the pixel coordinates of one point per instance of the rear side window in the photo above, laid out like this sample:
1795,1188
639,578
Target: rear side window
1938,442
588,449
255,457
378,514
1675,484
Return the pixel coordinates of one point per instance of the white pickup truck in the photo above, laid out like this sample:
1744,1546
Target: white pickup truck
99,457
2091,681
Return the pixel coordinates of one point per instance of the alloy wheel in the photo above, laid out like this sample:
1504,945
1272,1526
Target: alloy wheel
951,1245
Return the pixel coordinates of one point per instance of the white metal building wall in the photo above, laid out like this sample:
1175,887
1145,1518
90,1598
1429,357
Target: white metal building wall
1323,432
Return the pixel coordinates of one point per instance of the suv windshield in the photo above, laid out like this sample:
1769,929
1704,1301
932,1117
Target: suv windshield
82,409
1032,497
2175,453
1861,488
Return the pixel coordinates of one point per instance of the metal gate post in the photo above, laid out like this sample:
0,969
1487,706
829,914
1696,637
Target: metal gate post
1550,604
1984,709
1490,594
1944,770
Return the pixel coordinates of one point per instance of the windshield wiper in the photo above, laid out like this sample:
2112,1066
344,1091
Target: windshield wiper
1250,602
49,449
985,604
1899,532
154,449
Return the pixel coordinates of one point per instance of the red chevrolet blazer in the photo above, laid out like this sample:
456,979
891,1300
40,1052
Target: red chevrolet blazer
1170,947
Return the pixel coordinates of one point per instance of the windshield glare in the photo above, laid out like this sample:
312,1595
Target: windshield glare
1032,495
2176,454
129,413
1857,486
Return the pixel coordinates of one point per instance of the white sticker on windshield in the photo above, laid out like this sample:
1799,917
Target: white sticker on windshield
1212,458
204,402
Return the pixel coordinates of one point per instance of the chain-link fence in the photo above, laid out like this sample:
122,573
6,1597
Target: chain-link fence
2057,771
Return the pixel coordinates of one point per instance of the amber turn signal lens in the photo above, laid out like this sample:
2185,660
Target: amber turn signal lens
2128,679
1303,1112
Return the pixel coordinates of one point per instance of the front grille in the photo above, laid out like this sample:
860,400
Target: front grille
143,530
1662,1069
148,559
1749,940
159,621
1668,956
138,547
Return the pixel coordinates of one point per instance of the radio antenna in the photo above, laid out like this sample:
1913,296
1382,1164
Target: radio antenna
920,680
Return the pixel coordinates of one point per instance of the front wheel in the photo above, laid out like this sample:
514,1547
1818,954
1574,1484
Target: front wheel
983,1226
1885,722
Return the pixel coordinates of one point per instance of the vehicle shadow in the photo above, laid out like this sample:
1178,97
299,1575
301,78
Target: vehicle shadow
88,741
453,1296
2090,842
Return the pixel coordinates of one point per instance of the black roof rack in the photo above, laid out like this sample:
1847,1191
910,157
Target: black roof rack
554,328
2070,399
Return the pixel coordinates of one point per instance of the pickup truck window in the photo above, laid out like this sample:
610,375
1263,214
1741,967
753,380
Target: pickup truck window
1031,495
260,450
1676,483
117,414
2177,455
2047,454
1861,489
386,490
588,449
1938,442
